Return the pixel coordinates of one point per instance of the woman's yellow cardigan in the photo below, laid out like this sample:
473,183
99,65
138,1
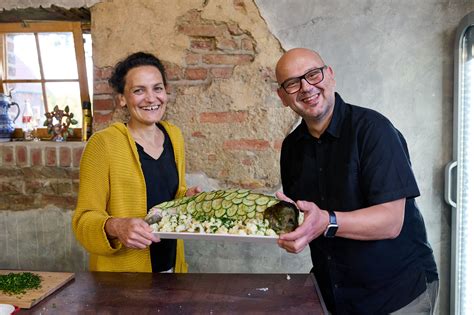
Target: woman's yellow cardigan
111,184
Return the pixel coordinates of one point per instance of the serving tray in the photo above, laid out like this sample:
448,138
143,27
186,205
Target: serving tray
219,237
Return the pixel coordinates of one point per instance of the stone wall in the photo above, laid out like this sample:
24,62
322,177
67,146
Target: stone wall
38,190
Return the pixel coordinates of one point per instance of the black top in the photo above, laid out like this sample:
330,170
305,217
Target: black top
161,178
361,160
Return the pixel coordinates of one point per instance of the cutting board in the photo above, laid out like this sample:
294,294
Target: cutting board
50,282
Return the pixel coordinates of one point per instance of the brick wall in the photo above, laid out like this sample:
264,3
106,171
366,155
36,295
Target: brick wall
215,48
39,174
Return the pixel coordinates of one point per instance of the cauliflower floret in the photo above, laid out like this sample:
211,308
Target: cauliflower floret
173,221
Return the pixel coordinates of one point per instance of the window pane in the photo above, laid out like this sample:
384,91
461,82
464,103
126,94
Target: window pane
22,57
65,94
58,55
32,93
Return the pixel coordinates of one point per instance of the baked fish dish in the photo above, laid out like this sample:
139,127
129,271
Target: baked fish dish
234,211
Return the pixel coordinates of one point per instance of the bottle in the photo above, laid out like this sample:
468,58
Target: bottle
86,120
27,121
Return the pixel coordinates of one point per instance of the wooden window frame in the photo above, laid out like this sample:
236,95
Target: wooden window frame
76,28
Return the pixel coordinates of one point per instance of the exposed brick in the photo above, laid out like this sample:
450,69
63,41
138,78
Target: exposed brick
103,117
35,186
63,202
193,59
234,29
12,172
171,91
50,156
252,185
46,172
65,156
246,144
203,30
222,72
196,74
74,175
173,71
17,202
227,59
61,187
104,104
21,155
102,73
11,186
227,44
36,157
223,117
248,162
8,156
203,44
247,44
102,87
198,134
76,156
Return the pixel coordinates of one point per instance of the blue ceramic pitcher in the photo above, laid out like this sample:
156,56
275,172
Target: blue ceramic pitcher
6,123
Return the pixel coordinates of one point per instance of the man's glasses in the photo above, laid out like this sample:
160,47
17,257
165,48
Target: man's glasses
313,76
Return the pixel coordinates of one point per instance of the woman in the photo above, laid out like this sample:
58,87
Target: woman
128,168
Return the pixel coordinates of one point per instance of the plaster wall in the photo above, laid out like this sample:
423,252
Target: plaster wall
395,57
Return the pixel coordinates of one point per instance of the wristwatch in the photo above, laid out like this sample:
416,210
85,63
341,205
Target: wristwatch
332,227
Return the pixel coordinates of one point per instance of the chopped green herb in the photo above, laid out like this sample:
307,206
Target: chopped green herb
19,283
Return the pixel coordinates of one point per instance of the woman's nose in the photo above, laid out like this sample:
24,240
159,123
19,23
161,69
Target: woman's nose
150,96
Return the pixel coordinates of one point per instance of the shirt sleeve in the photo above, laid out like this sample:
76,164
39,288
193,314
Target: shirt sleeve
386,173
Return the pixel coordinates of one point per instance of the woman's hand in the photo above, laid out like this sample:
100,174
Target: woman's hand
192,191
131,232
312,226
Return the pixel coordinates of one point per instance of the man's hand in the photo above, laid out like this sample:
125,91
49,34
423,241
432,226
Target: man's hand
131,232
314,224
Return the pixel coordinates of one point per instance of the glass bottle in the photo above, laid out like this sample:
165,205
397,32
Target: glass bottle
27,121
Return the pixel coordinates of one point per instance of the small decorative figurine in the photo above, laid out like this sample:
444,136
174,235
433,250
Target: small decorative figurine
58,122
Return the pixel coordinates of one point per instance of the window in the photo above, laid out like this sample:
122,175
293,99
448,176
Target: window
46,64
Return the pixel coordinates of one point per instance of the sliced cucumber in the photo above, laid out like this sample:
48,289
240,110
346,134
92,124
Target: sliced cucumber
263,200
219,213
207,206
232,211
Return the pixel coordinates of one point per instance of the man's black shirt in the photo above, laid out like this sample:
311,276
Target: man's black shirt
360,160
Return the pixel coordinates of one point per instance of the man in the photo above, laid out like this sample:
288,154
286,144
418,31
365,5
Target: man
349,170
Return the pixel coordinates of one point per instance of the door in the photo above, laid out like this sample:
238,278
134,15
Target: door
459,188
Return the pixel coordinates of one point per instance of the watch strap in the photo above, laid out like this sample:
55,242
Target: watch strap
332,227
332,217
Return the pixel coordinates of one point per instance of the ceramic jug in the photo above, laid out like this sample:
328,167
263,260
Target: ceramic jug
6,123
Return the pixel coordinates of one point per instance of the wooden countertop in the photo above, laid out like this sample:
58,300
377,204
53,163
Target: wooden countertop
192,293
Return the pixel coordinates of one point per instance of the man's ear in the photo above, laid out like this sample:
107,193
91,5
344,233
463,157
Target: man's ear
282,94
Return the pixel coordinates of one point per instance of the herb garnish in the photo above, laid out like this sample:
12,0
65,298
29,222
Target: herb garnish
19,283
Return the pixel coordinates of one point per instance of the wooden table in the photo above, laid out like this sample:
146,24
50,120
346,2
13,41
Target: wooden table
192,293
